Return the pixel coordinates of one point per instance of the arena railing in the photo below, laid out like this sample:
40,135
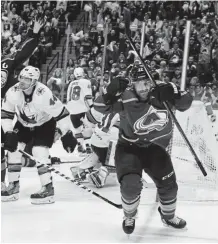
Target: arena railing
56,63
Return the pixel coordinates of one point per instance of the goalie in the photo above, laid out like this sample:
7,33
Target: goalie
94,167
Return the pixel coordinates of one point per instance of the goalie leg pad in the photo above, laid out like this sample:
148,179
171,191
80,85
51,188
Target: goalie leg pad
98,177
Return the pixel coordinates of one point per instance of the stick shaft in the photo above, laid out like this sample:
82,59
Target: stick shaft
73,181
171,113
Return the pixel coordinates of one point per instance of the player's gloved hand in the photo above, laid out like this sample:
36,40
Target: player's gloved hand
117,84
11,141
166,92
69,142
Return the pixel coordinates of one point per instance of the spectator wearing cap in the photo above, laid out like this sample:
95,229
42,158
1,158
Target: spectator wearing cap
175,56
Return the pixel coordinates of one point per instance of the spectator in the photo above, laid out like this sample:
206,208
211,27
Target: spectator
55,82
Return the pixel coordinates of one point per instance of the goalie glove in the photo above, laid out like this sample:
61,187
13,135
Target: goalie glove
98,177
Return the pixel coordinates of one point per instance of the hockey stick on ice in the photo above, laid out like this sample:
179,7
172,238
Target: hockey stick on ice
169,110
119,206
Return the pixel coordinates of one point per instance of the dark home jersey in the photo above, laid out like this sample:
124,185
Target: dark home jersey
9,64
143,123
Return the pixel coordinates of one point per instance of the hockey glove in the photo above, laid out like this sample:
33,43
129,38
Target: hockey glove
69,142
166,92
11,141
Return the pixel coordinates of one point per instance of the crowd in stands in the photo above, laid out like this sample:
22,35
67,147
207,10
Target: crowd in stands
18,17
165,28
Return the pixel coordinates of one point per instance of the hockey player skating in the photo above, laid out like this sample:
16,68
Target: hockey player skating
9,64
38,112
79,101
145,132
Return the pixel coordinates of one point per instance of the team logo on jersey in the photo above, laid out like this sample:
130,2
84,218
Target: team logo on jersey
31,119
4,77
152,120
40,91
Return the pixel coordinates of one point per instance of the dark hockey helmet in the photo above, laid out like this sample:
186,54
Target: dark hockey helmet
138,73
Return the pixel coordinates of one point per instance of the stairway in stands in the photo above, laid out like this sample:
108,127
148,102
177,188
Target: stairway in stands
59,49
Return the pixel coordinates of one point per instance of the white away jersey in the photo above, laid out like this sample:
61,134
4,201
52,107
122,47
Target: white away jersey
79,91
35,112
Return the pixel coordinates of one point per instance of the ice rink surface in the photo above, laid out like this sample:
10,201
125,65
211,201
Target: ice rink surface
78,216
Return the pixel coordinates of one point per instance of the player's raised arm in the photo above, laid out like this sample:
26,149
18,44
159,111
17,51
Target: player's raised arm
169,92
113,91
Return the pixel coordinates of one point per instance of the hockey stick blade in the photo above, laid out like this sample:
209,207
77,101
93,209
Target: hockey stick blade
119,206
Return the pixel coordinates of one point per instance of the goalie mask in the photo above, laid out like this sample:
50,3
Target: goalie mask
28,77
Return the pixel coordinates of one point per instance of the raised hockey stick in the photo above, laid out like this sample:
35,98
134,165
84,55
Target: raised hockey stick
119,206
169,110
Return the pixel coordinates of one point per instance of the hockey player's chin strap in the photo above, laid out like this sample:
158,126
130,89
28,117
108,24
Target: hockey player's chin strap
168,109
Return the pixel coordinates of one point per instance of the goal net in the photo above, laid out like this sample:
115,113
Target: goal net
198,129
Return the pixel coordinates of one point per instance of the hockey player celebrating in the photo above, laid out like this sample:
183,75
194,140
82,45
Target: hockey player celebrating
79,101
37,111
145,132
9,64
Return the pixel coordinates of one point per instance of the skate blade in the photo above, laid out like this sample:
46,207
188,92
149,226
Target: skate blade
46,200
171,227
11,198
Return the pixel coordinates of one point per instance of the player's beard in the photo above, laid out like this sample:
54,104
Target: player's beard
142,89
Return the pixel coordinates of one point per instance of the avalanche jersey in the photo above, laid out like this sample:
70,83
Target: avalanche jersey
143,123
79,95
9,64
33,110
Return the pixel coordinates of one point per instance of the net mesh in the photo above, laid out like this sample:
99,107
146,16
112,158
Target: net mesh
198,129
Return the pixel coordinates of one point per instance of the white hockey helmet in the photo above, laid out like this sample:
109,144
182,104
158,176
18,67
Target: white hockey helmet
28,77
79,72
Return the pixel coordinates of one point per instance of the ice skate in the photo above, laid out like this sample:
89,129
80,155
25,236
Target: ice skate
129,224
44,196
11,193
175,222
